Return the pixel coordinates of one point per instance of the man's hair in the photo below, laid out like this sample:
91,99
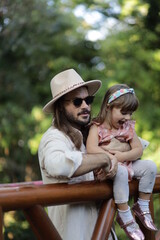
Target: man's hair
63,125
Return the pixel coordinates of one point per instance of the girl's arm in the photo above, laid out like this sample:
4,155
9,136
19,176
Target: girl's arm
132,155
93,147
92,141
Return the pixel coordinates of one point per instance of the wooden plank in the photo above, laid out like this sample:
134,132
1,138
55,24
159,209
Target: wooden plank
105,219
158,235
41,224
56,194
1,224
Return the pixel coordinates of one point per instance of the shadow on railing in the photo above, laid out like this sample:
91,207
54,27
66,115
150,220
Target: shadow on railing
32,197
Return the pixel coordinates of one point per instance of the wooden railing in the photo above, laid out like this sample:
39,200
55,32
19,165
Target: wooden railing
33,197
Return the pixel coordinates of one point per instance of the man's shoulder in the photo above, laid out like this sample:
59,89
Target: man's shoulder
53,132
52,135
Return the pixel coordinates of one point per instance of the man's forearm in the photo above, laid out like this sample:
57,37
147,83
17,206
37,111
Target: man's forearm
91,162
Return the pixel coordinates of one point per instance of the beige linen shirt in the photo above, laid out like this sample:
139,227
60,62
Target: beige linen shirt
59,159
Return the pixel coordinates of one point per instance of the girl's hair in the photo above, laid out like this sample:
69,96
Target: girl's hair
62,124
128,103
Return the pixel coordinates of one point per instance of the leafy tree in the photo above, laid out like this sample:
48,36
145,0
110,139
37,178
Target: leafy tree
130,54
40,38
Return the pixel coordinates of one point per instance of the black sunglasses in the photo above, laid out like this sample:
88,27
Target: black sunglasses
78,101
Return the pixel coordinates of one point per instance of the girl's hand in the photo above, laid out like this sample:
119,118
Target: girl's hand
119,155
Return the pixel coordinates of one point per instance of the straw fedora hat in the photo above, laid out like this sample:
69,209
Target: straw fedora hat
65,82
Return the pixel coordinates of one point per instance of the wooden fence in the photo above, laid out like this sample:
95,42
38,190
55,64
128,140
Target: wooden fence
32,197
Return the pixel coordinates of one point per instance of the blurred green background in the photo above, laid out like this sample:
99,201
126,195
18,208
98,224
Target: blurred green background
115,41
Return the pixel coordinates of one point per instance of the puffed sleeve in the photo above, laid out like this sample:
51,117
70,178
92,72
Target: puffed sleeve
58,155
129,128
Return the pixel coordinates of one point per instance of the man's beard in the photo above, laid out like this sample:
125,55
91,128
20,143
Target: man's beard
77,122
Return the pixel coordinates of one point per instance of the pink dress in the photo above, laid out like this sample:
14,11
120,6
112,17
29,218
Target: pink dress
123,134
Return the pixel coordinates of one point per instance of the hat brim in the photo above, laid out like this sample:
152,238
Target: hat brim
93,86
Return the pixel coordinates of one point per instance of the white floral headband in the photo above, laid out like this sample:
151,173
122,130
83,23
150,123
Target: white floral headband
119,93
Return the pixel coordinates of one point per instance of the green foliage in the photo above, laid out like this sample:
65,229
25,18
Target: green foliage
40,38
130,54
18,229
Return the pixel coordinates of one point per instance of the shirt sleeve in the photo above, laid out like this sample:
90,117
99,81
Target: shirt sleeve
58,155
129,127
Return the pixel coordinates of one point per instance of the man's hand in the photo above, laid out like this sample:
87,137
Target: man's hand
113,170
105,173
100,174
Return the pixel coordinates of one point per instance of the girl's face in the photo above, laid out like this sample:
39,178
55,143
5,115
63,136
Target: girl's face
118,118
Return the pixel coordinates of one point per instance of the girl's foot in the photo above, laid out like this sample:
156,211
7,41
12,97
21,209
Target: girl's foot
144,217
131,228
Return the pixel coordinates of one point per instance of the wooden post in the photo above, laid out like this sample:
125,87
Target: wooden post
41,224
105,219
1,224
158,235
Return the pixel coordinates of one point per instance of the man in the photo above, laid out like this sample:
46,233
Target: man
62,153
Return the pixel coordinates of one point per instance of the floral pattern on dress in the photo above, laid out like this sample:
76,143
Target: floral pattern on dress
123,134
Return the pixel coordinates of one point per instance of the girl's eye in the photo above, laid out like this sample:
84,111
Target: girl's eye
123,113
126,113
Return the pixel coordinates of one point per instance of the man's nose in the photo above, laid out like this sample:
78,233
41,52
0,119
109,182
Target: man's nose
84,104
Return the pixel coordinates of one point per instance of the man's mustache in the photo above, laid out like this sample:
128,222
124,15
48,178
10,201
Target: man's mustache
84,112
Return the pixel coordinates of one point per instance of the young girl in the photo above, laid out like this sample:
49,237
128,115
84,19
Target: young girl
114,123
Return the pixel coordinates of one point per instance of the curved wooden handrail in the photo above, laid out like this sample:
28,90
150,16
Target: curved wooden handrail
32,197
21,197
